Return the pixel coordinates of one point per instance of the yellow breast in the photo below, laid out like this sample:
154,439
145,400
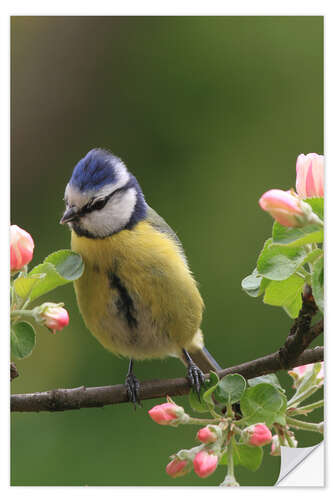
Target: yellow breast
137,295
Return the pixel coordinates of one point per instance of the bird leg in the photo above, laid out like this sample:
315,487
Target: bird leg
133,386
194,374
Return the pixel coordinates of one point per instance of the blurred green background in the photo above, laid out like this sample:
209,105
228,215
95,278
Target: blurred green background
208,113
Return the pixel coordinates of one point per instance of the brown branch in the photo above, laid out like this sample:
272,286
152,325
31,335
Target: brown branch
88,397
301,333
297,343
13,371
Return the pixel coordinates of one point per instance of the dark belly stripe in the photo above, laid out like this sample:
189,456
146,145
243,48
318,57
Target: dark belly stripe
124,302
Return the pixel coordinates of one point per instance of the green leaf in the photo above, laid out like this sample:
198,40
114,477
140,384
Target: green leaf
262,403
293,307
205,402
67,263
318,283
224,458
317,205
247,456
286,293
196,405
59,268
297,236
280,417
22,339
271,378
230,389
312,256
51,280
24,285
279,262
254,284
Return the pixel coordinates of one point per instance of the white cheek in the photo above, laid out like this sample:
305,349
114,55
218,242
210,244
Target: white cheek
121,209
113,217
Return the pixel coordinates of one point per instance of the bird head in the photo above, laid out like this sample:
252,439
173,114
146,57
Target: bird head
102,196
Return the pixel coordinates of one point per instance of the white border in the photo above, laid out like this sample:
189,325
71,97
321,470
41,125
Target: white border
170,7
145,7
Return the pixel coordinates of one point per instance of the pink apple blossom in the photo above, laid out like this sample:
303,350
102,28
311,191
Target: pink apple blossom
204,463
258,435
275,447
54,316
284,206
177,467
310,175
21,248
166,413
206,435
299,372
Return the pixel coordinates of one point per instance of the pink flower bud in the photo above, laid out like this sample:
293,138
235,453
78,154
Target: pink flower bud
285,207
54,317
310,175
205,435
166,413
177,468
299,372
258,435
292,439
21,248
204,463
276,447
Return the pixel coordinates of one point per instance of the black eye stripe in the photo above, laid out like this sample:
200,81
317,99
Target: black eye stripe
98,204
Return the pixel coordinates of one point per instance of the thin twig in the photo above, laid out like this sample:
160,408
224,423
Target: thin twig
88,397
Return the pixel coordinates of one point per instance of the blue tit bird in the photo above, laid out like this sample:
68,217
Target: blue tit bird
137,295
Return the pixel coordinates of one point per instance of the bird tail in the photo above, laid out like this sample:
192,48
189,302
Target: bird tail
204,360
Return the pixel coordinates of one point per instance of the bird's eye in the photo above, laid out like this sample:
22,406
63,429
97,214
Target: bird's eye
99,204
93,205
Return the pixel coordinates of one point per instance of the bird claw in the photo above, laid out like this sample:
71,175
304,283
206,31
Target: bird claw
196,378
133,389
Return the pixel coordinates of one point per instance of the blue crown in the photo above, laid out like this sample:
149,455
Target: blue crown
95,170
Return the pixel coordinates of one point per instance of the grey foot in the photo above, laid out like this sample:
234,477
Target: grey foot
133,389
195,377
